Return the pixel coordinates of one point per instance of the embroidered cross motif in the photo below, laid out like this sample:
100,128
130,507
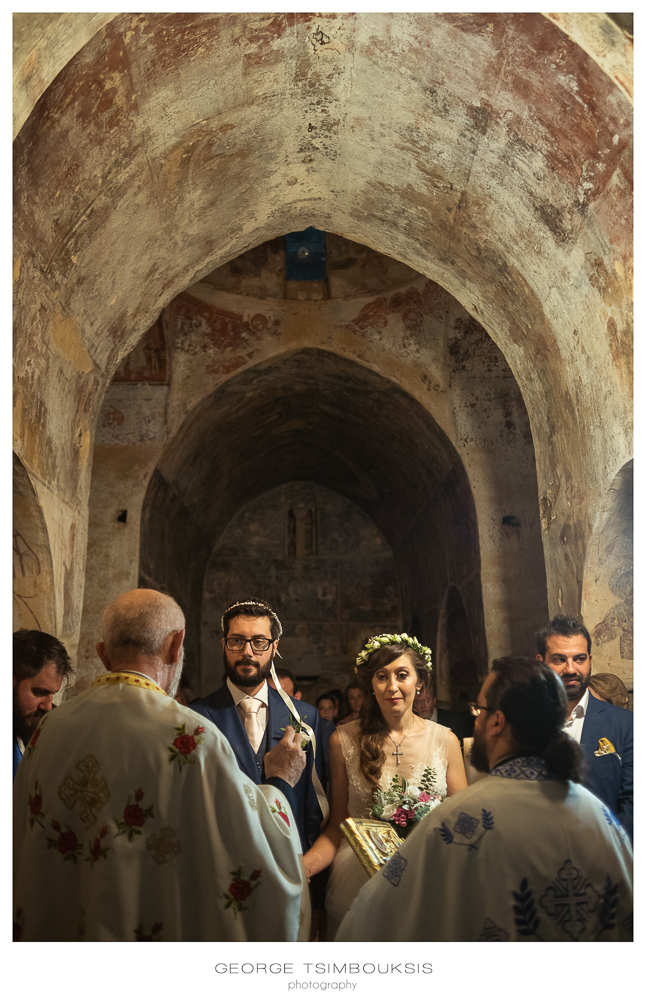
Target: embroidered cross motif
395,869
163,845
250,797
466,825
88,791
570,900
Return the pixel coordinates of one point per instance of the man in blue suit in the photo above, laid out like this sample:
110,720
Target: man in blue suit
604,731
253,716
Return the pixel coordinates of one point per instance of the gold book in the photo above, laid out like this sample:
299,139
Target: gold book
373,841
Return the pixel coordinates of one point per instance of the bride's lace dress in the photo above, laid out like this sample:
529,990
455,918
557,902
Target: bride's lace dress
423,747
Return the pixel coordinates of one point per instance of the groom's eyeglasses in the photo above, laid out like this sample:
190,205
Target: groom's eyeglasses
258,644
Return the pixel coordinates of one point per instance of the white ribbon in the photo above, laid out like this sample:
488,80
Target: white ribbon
308,733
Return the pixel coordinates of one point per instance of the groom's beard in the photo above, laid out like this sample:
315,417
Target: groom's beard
246,678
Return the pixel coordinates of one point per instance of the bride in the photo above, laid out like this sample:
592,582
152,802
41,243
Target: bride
365,755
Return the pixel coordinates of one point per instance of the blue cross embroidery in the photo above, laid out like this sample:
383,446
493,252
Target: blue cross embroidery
395,869
570,900
466,825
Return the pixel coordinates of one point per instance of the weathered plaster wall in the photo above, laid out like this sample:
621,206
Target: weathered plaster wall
329,600
417,337
489,153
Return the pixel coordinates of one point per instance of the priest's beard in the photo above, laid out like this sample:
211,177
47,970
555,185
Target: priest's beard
173,687
248,678
478,753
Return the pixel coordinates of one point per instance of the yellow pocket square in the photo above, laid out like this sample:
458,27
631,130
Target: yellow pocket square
605,746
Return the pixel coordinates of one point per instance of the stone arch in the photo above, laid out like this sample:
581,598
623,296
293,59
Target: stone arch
458,671
312,415
33,578
607,606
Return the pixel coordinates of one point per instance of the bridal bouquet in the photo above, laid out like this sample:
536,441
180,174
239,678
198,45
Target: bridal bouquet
403,804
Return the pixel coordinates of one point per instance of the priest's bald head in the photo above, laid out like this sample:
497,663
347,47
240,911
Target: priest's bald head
143,631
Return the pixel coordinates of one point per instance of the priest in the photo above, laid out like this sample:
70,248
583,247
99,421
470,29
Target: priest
132,819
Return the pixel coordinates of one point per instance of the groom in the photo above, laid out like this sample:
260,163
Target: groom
253,716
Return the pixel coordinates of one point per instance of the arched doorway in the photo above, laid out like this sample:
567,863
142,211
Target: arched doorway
314,416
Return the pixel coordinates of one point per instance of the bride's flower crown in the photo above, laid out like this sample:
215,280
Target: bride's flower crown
390,640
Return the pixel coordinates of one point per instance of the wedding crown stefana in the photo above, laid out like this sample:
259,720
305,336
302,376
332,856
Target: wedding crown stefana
390,640
255,604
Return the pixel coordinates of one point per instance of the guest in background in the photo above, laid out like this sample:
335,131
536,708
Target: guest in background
327,707
425,705
287,682
354,697
604,731
40,664
609,687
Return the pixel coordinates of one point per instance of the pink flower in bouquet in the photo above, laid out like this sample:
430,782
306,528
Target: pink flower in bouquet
400,816
424,797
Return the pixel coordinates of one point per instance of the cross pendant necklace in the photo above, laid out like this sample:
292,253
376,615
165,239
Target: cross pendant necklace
397,753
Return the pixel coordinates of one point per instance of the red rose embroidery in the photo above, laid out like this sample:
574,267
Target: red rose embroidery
200,729
134,815
35,804
67,842
240,889
32,742
95,853
280,811
184,743
103,831
56,825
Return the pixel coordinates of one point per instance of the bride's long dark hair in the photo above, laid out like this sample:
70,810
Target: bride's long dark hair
372,725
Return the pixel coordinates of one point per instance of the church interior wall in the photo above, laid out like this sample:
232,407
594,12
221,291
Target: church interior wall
334,590
154,149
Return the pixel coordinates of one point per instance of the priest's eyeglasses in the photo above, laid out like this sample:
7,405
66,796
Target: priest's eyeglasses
258,644
475,708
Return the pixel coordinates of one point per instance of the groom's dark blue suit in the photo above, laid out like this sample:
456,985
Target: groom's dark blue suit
219,707
610,779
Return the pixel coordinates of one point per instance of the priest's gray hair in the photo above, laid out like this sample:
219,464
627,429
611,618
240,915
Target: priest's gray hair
139,622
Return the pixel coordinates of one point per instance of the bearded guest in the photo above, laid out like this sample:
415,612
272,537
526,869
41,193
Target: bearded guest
604,731
40,665
165,839
253,716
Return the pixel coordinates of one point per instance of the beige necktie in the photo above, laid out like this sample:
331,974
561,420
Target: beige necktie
250,708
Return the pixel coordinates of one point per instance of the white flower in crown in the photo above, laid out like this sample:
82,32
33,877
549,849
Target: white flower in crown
387,639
